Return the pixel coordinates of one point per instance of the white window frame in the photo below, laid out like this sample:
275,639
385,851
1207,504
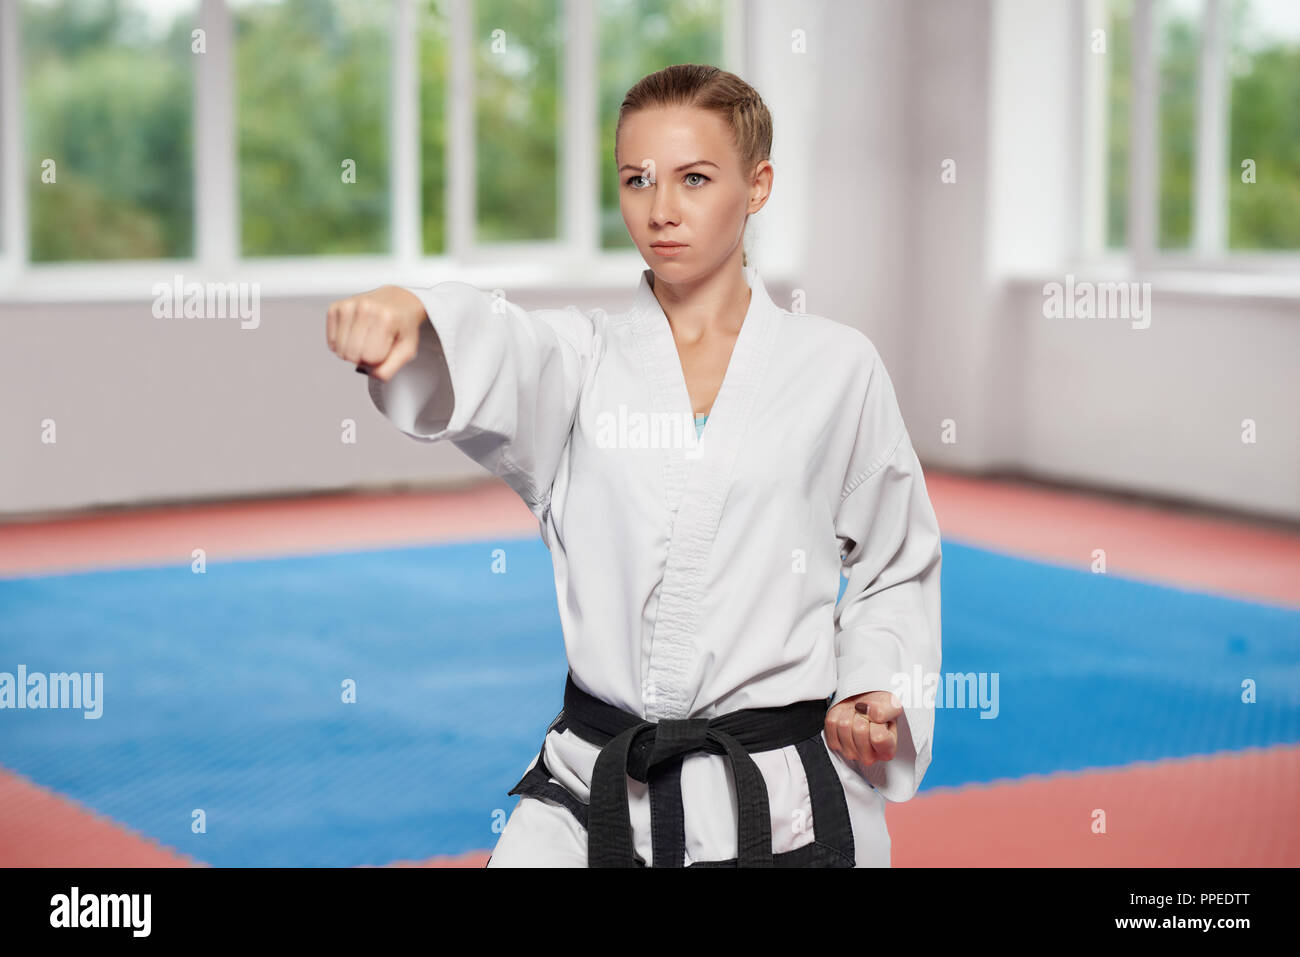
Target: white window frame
573,260
1208,252
13,244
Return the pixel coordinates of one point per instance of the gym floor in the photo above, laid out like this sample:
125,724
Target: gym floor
1145,712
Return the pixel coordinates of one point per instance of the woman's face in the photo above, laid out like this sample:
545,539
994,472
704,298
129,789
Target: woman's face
680,181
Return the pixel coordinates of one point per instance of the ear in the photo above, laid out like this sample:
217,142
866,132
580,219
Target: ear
760,186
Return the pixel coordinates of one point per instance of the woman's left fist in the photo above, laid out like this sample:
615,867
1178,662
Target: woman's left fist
863,729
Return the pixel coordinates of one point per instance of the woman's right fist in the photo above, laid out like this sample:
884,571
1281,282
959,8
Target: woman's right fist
379,329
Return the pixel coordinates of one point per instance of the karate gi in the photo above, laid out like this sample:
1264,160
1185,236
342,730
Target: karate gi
698,577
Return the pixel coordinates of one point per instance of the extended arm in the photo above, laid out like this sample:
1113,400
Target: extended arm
499,382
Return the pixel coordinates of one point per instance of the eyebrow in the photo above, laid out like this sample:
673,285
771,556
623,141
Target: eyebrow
678,169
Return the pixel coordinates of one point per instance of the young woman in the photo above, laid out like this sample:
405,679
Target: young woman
721,707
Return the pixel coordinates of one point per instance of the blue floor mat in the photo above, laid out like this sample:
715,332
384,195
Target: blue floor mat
222,691
1096,671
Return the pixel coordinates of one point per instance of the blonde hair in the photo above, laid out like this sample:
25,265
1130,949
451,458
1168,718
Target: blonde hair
708,88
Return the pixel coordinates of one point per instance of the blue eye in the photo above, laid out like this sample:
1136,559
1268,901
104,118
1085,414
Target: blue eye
631,180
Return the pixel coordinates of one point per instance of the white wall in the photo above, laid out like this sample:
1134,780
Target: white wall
156,410
1158,410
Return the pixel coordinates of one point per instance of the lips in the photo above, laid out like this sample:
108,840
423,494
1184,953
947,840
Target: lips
667,245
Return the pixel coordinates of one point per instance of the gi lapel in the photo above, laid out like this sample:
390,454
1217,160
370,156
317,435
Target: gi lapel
695,484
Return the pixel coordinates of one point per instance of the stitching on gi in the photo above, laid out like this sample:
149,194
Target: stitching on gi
837,852
654,851
875,467
532,494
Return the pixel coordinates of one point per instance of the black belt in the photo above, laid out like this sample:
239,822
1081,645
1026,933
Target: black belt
653,752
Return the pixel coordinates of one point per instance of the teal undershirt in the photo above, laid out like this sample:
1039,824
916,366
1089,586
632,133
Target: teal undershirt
700,419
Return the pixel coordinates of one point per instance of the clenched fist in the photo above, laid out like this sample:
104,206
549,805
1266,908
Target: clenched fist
377,330
863,729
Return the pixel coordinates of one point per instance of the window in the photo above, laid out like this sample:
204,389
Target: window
1264,129
226,132
434,67
107,92
311,81
1202,150
1118,69
1178,38
517,119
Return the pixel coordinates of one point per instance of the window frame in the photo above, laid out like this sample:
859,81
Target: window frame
13,206
1208,251
573,260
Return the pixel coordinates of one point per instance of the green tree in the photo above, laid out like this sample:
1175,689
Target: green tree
1265,128
312,91
110,106
518,120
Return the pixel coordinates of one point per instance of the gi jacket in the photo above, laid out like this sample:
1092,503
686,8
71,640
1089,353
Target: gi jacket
699,577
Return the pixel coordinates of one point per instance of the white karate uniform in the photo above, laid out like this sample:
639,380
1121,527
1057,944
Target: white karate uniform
698,579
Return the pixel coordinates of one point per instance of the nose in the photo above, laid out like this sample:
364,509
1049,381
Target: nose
663,209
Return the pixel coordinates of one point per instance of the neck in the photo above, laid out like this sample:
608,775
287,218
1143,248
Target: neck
705,308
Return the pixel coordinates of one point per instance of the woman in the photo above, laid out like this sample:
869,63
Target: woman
695,568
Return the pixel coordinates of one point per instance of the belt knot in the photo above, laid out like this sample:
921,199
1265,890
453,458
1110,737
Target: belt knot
678,736
655,744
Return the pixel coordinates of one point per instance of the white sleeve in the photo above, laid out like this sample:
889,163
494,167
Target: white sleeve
887,622
499,382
